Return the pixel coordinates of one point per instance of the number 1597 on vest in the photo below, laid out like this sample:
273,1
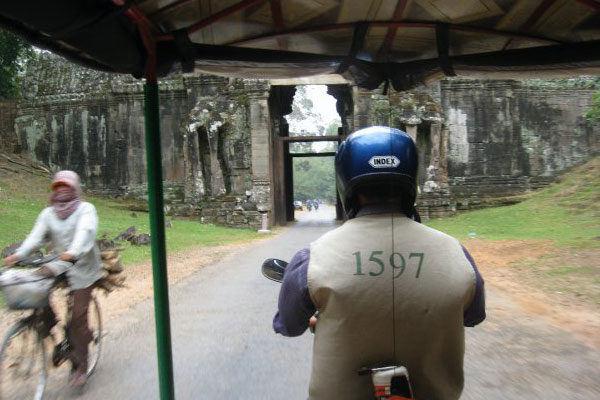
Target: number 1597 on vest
396,261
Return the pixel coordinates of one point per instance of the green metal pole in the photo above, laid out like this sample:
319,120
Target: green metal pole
157,231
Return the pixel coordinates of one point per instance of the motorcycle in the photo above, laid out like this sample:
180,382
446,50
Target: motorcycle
308,205
389,382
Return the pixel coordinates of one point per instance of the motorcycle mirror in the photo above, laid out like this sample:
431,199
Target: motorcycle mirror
274,269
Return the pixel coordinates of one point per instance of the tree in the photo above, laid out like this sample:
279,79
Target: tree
332,128
14,53
306,119
593,114
301,147
302,110
314,178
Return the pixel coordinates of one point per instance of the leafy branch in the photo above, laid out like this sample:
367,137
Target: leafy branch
14,54
593,113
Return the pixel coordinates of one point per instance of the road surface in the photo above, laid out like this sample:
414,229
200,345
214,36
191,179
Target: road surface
224,346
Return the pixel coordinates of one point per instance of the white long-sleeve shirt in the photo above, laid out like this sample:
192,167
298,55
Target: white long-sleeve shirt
75,235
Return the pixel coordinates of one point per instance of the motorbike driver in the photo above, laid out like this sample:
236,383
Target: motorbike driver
389,291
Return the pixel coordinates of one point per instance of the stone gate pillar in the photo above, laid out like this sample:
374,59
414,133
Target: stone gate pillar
437,174
412,132
260,139
362,106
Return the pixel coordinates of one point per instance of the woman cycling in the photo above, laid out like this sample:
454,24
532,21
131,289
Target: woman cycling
71,225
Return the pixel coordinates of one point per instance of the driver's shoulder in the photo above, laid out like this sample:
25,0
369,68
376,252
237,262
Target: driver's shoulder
434,234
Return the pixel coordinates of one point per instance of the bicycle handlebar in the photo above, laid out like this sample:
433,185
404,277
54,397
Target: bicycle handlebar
34,262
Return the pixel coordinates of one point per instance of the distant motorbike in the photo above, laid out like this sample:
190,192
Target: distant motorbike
309,205
316,205
389,382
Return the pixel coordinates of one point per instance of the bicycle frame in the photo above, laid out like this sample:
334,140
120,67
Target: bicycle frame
42,320
39,321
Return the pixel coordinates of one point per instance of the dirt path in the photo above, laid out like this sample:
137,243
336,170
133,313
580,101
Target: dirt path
499,264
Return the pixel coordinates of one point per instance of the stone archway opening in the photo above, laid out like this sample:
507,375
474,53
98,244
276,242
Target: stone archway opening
303,144
313,173
314,182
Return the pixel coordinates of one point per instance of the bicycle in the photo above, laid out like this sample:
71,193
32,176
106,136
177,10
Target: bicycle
23,357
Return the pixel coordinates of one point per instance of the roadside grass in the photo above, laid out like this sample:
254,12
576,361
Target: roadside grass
19,207
183,233
23,196
567,213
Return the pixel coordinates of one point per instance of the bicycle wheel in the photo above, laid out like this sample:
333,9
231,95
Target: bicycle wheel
95,326
22,364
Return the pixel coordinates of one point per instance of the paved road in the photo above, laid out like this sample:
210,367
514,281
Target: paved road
224,347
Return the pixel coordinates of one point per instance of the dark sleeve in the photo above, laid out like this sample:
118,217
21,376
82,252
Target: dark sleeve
475,313
295,304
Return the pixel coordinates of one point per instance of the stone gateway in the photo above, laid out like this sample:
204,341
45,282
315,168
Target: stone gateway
225,141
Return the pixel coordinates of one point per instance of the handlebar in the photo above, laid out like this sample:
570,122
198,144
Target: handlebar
34,262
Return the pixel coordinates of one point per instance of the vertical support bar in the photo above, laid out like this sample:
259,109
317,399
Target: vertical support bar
157,231
288,176
339,208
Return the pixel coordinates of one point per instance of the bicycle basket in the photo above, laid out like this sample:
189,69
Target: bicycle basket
23,289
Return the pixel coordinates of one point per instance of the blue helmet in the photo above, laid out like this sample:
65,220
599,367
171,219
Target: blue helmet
378,156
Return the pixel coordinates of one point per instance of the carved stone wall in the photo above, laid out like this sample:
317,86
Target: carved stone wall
93,123
508,137
479,141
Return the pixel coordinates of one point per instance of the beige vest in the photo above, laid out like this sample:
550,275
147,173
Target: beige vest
350,279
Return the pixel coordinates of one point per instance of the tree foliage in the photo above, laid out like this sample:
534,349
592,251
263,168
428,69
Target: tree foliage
593,113
314,178
14,53
313,111
306,119
302,110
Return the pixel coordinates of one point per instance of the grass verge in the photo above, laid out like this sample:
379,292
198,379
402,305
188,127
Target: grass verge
23,197
566,214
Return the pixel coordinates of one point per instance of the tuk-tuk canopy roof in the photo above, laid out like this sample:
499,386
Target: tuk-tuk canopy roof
403,42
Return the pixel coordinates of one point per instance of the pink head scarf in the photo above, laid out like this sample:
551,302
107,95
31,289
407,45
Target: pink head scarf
65,202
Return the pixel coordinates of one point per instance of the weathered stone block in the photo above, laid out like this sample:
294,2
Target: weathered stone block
239,218
249,206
